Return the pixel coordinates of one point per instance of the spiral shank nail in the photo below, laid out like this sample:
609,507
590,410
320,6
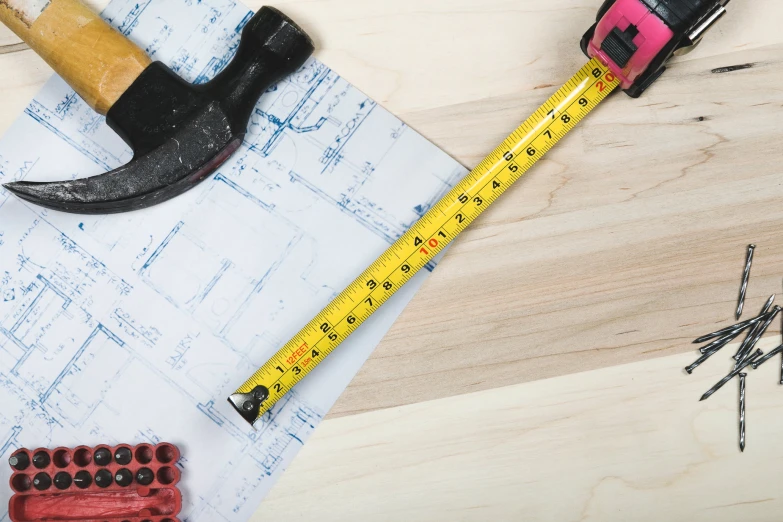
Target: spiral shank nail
745,279
742,377
745,363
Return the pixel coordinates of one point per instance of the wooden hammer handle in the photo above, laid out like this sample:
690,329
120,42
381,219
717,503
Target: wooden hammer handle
98,62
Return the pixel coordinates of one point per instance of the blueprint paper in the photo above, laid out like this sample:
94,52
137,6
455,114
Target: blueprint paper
136,327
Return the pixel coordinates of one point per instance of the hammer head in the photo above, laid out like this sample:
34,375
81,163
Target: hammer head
180,132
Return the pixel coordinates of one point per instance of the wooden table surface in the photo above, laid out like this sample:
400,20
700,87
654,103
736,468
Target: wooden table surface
538,374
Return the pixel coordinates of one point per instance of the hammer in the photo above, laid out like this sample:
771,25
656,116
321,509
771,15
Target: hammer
179,132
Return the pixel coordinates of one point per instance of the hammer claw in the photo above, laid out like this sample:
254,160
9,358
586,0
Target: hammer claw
179,132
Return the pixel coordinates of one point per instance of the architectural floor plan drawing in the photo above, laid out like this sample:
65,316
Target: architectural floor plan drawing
136,327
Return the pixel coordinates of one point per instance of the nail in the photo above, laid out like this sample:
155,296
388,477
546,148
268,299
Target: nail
711,349
760,330
767,305
767,357
698,362
742,377
717,344
739,326
748,338
747,362
745,279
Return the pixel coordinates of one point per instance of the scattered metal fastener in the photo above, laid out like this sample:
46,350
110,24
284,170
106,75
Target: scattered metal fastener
713,348
739,326
755,335
745,279
767,357
746,341
745,356
742,377
723,331
717,344
744,364
766,306
736,328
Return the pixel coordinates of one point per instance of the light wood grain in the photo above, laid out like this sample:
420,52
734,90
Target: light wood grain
422,54
94,59
620,247
627,443
626,243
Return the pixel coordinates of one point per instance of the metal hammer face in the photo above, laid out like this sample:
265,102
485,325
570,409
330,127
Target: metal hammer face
179,132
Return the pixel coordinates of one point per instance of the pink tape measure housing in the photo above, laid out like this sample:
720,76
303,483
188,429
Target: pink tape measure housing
651,36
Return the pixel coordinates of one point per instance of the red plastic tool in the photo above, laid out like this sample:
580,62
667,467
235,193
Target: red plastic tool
101,484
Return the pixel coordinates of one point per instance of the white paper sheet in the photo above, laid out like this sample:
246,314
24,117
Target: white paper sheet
136,328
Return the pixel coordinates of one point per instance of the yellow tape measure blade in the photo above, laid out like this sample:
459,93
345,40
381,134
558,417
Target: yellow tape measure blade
425,239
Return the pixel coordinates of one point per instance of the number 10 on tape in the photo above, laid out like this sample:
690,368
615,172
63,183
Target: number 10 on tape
425,239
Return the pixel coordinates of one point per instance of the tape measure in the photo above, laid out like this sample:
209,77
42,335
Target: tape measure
425,239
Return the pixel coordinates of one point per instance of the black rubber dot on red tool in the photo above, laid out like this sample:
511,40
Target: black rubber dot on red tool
123,456
62,480
21,483
20,460
123,477
41,459
145,476
144,454
82,479
103,478
62,458
42,481
82,457
102,457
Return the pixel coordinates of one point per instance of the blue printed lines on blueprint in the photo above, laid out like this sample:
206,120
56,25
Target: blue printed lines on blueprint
135,328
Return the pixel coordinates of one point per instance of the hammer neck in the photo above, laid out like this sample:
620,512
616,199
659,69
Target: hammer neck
239,86
272,46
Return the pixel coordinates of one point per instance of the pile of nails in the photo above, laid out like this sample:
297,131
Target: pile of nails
745,356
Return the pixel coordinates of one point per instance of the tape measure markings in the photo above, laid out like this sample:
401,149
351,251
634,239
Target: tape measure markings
427,238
